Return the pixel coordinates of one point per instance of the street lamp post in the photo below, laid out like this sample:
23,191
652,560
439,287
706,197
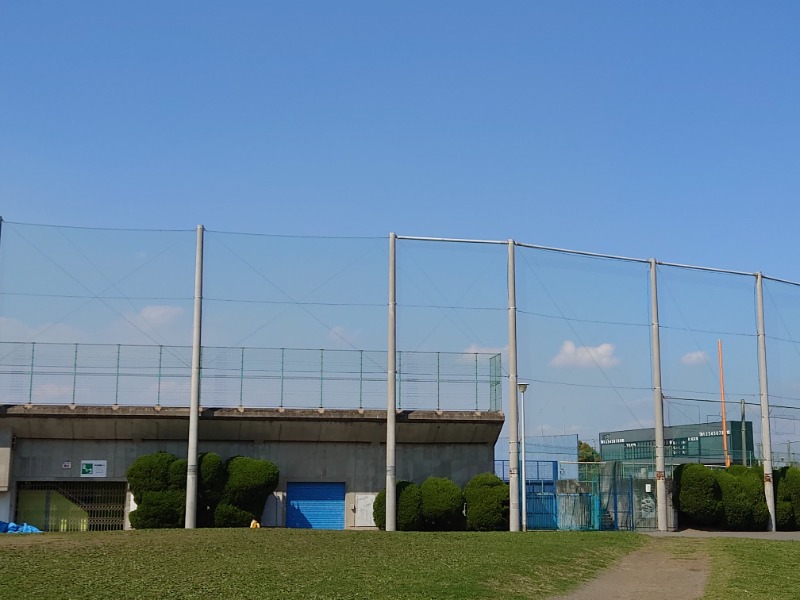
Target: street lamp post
522,387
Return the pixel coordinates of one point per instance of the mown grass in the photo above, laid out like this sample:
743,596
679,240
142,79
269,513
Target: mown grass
295,564
744,568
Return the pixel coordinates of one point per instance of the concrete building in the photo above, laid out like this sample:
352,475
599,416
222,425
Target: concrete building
63,467
693,443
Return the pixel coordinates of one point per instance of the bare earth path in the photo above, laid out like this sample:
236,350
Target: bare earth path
656,572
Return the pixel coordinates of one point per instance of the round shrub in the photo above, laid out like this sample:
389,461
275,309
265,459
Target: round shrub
176,474
442,505
250,481
226,515
160,510
700,497
409,507
149,473
487,498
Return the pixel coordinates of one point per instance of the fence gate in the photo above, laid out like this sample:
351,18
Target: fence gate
72,506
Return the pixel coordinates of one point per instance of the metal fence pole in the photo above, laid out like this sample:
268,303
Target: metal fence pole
321,374
391,393
766,436
160,359
116,381
194,408
33,363
283,356
513,420
241,381
75,374
658,403
476,381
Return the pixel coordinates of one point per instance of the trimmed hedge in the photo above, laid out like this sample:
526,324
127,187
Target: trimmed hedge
732,499
150,473
409,507
743,502
487,498
226,515
158,483
250,482
442,505
160,510
700,497
787,507
176,474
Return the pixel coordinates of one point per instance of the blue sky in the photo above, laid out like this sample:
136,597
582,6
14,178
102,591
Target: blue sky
626,128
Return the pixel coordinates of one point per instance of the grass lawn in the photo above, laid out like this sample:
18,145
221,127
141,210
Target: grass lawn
303,564
743,568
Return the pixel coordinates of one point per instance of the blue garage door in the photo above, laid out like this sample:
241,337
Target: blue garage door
315,505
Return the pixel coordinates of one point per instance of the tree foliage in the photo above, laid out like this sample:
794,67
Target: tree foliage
587,453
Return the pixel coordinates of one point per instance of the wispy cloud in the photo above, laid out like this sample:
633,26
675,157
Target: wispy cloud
571,355
160,314
691,359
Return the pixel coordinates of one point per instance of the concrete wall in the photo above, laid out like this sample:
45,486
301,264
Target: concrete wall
307,446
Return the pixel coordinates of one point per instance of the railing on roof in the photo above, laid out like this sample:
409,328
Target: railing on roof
128,375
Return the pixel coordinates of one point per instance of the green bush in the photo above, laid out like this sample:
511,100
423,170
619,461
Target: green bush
150,473
784,516
250,481
442,505
789,488
409,507
379,510
700,497
212,478
160,510
743,502
226,515
487,498
176,474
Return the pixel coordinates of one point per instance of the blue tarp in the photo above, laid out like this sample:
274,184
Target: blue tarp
14,528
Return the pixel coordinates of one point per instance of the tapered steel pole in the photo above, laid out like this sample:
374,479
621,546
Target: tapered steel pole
658,402
513,421
524,480
391,392
194,408
766,436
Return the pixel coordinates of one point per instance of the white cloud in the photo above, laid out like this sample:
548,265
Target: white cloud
571,355
160,315
698,357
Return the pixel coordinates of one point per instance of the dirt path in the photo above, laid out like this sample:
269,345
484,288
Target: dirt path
654,572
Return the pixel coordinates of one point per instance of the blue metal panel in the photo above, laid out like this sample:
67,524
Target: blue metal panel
315,505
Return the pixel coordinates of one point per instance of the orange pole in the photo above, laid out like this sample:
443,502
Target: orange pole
722,397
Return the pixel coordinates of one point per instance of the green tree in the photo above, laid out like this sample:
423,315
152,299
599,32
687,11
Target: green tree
586,453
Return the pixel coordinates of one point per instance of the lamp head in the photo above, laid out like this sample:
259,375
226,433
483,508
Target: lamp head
522,387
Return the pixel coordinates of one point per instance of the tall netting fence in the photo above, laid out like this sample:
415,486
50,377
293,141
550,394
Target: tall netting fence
105,317
584,343
452,308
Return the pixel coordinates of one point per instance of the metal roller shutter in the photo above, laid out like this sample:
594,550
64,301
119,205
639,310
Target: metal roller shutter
315,505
